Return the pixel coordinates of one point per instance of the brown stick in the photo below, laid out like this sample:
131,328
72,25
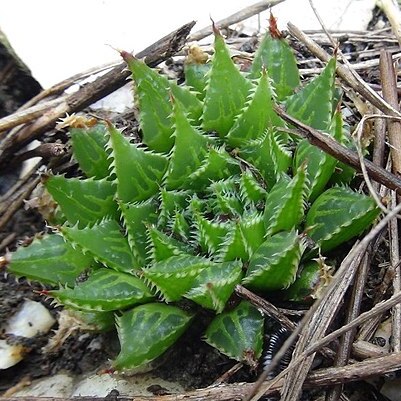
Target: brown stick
340,152
241,15
233,392
103,86
389,84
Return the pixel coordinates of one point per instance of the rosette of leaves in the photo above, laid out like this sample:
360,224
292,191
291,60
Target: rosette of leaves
217,194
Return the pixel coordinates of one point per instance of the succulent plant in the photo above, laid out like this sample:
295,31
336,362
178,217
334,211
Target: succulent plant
216,194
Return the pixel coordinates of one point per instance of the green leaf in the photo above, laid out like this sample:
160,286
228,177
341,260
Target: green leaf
171,201
216,166
105,242
146,332
139,173
285,203
214,285
49,260
308,286
162,246
313,104
319,165
174,276
88,146
256,116
137,217
251,191
188,152
269,155
238,334
226,90
83,202
192,105
210,234
277,56
105,290
275,263
153,98
338,215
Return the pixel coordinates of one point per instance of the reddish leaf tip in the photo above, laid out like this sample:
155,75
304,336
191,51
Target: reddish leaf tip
273,29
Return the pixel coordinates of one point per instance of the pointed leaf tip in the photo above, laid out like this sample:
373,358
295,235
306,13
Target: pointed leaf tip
273,29
126,56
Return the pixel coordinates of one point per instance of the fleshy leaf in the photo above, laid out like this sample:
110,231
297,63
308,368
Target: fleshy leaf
226,90
105,242
105,290
313,104
269,155
338,215
139,173
210,234
256,116
174,276
49,260
146,332
171,201
88,146
153,98
238,333
234,245
137,217
275,54
216,166
275,263
319,165
285,203
251,191
83,202
188,152
214,285
162,246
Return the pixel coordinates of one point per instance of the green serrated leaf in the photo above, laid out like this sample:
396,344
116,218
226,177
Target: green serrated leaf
251,190
285,203
274,264
313,104
153,98
234,245
257,115
188,152
338,215
49,260
193,106
162,246
139,173
214,285
171,201
277,56
105,242
105,290
137,217
269,155
174,276
216,166
238,333
83,202
210,234
146,332
319,165
88,147
226,91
